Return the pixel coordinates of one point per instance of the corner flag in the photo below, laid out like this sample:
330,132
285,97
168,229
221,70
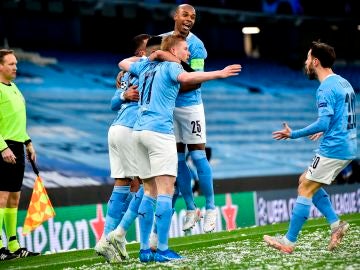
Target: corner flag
40,208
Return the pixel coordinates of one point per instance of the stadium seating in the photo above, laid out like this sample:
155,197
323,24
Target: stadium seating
69,115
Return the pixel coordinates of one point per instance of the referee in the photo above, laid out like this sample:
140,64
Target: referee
13,137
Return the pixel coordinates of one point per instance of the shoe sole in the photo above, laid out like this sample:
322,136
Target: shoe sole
268,239
164,259
334,244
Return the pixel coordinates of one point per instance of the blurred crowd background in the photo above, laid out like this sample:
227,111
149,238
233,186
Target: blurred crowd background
286,26
69,50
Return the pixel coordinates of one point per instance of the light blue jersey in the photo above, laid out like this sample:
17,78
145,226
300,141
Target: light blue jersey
198,55
158,88
127,110
336,98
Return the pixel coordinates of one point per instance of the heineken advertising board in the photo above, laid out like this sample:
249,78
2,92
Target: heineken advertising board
79,227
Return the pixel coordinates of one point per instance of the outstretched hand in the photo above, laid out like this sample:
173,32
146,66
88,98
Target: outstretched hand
282,134
231,70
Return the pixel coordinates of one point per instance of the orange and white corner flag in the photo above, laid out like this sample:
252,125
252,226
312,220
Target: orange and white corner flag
40,207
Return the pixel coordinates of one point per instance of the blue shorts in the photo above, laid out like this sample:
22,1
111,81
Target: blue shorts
12,175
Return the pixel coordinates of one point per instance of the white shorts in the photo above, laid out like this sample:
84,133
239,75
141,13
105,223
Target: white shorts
121,152
324,170
189,124
155,154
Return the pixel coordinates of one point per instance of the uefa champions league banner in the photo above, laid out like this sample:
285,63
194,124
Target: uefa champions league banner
80,227
275,207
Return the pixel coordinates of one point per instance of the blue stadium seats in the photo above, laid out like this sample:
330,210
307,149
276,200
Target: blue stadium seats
69,115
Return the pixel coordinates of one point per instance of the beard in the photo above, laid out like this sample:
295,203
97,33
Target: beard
310,72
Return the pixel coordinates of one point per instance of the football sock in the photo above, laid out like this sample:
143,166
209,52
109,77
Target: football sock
154,230
1,225
126,204
132,211
146,219
322,202
10,221
183,181
204,172
163,216
114,208
300,214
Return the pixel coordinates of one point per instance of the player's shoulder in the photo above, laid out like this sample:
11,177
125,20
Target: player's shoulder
167,65
332,82
194,37
141,62
166,34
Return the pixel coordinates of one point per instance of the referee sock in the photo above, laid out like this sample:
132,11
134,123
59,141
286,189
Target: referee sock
322,202
115,207
183,182
204,172
299,216
10,220
146,219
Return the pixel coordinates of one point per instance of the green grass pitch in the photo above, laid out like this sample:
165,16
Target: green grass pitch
238,249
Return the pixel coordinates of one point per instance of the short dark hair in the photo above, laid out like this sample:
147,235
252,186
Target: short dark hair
324,52
4,52
154,41
138,42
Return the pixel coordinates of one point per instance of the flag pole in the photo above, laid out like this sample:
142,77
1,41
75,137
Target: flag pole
34,167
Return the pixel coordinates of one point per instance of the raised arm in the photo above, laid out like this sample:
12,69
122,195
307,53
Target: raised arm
126,63
202,76
184,87
320,125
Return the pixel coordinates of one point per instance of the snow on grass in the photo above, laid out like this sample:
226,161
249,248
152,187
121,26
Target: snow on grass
252,253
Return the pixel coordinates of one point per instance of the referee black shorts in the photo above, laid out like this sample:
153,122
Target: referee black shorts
12,175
